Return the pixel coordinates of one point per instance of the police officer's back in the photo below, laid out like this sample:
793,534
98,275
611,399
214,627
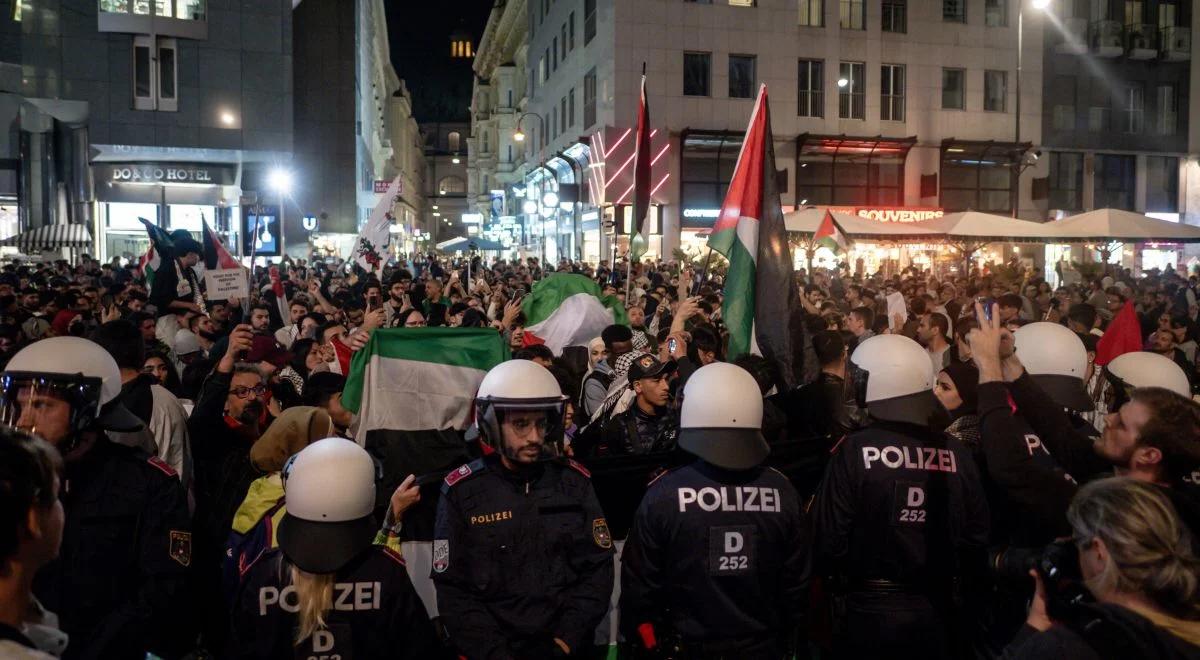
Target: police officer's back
119,583
899,510
717,557
325,546
522,554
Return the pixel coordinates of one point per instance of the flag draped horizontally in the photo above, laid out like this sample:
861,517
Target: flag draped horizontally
1124,335
759,285
569,310
371,248
641,178
829,234
412,379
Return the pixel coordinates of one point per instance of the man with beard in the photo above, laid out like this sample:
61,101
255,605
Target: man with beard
637,323
260,319
290,332
398,296
206,333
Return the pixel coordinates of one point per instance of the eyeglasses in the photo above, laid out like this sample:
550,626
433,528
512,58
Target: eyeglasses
244,392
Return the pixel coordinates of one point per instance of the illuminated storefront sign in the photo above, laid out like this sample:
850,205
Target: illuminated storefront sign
892,214
701,213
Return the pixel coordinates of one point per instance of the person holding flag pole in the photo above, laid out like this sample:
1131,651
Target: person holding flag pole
641,186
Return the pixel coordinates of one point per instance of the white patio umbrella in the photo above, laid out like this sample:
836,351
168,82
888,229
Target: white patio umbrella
1105,225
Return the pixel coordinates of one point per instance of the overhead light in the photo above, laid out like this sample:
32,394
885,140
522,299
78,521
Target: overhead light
442,192
435,207
519,136
1040,4
280,180
436,214
530,206
550,199
455,160
842,82
803,201
227,118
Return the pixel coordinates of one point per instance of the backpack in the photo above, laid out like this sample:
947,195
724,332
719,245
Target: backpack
244,548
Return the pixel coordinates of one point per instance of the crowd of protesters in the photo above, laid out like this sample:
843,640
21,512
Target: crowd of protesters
227,392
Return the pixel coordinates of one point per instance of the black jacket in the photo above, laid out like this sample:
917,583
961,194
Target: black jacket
1102,631
635,432
899,503
521,559
376,613
717,556
119,585
819,409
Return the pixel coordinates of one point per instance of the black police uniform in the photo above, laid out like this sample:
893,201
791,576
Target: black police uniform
119,583
376,613
898,513
718,559
521,558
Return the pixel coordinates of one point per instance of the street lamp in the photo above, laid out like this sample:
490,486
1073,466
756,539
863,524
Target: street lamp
1040,5
280,180
518,136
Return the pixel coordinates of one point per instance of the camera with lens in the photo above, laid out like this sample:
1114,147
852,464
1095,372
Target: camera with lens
1058,566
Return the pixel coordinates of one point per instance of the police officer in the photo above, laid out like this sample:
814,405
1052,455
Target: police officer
327,591
522,554
900,512
1130,371
119,584
717,561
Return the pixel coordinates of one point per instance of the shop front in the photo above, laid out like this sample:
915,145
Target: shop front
172,195
705,170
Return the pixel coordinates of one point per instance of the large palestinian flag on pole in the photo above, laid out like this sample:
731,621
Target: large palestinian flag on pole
412,379
760,289
569,310
641,177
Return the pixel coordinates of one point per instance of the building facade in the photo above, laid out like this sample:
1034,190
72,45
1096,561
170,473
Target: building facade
445,146
898,105
121,109
495,157
407,161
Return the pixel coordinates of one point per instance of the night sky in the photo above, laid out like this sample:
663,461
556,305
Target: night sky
419,34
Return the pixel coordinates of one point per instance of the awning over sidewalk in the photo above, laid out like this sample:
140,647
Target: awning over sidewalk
1105,225
51,237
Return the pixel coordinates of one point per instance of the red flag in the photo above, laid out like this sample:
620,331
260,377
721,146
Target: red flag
641,177
215,254
1124,335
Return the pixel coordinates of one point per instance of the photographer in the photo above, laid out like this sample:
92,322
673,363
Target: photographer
1138,562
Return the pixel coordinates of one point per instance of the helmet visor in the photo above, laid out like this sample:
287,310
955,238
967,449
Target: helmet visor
857,378
55,406
529,431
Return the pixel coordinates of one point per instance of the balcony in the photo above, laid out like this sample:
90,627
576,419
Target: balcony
1107,38
166,18
1074,40
1141,41
1176,44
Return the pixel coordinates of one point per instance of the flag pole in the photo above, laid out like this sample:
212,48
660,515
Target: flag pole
703,272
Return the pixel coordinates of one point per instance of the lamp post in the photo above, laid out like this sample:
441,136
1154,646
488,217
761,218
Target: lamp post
280,181
519,136
1040,5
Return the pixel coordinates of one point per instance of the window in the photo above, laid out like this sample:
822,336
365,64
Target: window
453,140
895,16
853,15
891,92
1064,104
553,123
571,108
741,76
1133,108
1162,184
852,86
452,185
812,13
705,170
1114,181
563,41
589,21
1167,12
954,11
870,173
696,74
977,176
589,99
1099,107
571,31
995,90
562,110
811,88
543,73
995,13
952,89
554,54
1165,109
155,75
1135,12
1066,181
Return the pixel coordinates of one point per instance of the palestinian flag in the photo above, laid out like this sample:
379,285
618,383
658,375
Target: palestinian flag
830,235
760,290
161,249
641,177
411,379
215,254
569,310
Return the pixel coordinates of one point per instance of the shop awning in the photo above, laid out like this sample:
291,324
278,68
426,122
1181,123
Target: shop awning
461,244
846,145
977,227
1105,225
50,237
806,221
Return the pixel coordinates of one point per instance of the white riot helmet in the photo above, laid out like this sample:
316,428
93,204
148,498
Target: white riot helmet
721,417
70,369
520,385
1057,360
1130,371
893,378
330,491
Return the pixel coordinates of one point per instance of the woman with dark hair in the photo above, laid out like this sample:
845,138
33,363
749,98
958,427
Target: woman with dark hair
473,318
157,364
304,361
957,390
